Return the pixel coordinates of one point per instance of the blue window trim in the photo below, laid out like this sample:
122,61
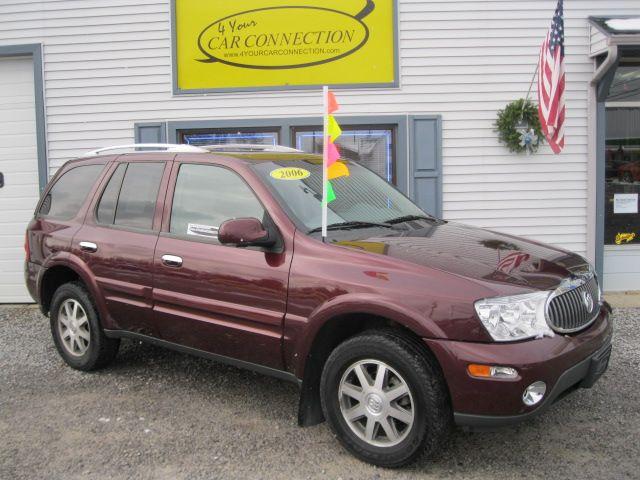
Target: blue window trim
414,152
405,144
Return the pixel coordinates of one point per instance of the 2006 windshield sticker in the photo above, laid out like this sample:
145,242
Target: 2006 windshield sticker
290,173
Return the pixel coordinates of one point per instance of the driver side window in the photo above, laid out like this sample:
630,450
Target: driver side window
207,195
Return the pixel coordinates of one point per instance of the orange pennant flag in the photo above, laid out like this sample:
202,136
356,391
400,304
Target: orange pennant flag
333,103
337,170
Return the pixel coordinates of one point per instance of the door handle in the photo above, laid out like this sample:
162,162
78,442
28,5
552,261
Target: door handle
88,247
172,261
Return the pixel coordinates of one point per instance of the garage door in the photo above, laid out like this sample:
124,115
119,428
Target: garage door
19,167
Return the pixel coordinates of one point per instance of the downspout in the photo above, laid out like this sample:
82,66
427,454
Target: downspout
609,61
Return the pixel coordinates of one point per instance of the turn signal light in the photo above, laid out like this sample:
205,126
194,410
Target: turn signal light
489,371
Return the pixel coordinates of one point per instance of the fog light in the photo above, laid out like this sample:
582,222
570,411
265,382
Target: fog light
534,393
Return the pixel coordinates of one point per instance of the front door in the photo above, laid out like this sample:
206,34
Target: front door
219,299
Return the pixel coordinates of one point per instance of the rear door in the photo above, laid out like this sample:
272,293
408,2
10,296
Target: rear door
119,236
220,299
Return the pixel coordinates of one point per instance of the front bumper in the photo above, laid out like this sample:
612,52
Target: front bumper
564,362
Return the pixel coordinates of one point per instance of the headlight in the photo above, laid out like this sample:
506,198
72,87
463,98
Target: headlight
516,317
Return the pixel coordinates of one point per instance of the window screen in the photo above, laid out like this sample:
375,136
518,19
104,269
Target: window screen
137,199
69,192
205,196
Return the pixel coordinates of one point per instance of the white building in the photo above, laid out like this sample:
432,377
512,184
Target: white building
79,75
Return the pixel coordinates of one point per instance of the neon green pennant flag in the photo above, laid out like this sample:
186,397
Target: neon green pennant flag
331,195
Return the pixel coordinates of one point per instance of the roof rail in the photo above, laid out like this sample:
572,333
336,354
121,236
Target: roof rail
148,147
249,147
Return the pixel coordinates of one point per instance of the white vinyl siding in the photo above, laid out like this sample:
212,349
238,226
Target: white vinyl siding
599,41
107,65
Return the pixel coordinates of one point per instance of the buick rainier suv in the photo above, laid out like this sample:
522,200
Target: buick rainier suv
396,326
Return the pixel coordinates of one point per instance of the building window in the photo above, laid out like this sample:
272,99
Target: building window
372,146
230,137
622,190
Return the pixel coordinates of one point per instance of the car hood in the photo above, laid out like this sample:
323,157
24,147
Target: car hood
470,252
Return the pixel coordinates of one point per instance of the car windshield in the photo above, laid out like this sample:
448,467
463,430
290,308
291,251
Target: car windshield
361,199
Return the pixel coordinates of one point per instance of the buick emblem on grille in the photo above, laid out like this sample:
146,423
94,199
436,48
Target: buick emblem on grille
587,299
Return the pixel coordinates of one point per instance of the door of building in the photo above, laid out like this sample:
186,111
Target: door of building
19,172
622,180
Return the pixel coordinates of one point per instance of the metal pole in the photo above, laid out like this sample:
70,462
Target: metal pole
325,158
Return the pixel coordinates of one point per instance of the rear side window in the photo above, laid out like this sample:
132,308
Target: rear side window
107,207
69,192
205,196
129,200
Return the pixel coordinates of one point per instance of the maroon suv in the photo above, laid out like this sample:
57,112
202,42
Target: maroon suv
396,327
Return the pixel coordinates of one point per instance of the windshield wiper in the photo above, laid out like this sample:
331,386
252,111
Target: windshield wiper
409,218
350,225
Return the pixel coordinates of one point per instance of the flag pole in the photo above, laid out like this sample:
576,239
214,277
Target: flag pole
533,79
325,158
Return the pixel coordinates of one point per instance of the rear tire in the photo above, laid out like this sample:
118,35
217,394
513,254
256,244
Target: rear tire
377,422
76,330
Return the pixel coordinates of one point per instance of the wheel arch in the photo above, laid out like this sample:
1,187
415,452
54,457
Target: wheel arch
63,269
328,335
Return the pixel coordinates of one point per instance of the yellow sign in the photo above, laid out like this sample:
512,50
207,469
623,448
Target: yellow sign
290,173
625,238
268,44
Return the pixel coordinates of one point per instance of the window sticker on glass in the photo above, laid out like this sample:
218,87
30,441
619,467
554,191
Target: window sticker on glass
625,203
625,238
290,173
199,230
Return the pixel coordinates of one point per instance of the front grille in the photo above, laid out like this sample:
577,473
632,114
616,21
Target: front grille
569,312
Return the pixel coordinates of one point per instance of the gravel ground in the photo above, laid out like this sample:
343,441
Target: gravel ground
159,414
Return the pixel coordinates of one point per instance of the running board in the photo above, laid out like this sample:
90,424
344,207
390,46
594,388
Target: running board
271,372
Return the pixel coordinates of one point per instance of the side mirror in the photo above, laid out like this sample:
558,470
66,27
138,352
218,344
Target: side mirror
244,232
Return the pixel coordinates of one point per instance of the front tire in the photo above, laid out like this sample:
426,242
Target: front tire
76,329
385,399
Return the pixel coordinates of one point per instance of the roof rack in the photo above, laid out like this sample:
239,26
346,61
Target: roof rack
147,147
249,147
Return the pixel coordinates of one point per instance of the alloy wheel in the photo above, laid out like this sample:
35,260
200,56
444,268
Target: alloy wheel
376,403
73,326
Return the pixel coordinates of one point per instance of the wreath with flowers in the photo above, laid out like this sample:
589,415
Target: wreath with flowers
518,127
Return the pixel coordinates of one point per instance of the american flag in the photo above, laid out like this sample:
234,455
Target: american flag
551,81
